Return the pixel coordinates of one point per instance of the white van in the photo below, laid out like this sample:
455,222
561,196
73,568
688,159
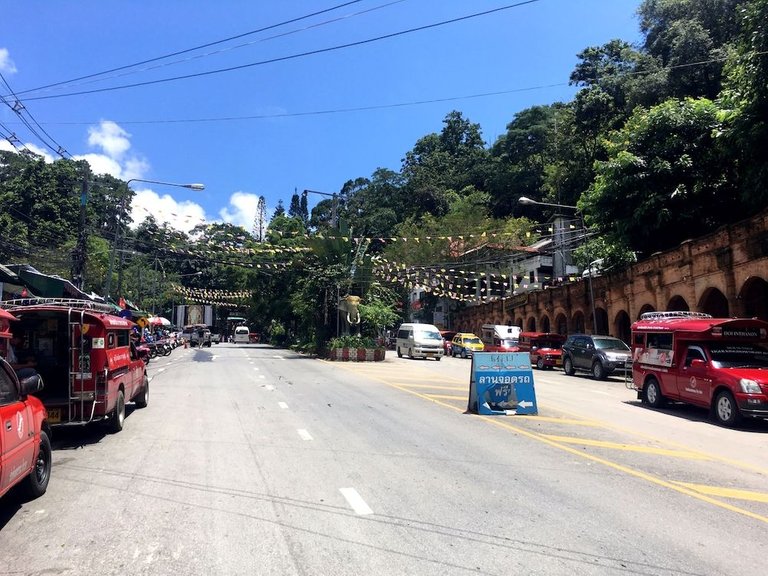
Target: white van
419,341
242,335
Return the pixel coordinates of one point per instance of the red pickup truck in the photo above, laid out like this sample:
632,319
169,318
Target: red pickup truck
25,447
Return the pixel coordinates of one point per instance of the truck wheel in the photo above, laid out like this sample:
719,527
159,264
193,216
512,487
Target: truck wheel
540,363
725,409
118,414
652,394
399,352
598,371
143,398
438,358
568,367
37,481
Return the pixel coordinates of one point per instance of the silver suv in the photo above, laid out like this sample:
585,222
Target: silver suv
599,355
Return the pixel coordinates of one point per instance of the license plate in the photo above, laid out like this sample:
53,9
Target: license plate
558,362
54,415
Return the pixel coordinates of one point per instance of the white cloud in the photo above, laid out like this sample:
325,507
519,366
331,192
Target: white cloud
6,64
183,215
101,164
241,210
5,145
110,137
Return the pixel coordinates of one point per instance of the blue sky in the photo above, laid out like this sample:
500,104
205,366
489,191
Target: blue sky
267,129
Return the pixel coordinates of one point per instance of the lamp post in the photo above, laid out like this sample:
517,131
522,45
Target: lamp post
194,186
530,202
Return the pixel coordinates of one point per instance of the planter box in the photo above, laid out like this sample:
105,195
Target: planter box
357,354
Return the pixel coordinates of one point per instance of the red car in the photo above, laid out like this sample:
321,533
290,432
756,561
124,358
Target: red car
25,446
447,337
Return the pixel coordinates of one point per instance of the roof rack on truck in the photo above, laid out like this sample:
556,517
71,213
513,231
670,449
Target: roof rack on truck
673,314
65,302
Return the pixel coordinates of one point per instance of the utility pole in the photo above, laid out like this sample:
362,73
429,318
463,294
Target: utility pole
80,252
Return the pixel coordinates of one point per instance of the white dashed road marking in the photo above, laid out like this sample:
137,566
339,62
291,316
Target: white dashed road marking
283,405
304,434
356,501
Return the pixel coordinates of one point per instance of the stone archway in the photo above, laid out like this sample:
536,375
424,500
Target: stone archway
715,303
754,298
531,324
645,308
602,321
579,327
623,326
545,323
561,324
677,304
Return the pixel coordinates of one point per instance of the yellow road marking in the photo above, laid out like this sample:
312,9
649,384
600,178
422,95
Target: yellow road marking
727,492
633,432
496,421
628,447
446,397
431,386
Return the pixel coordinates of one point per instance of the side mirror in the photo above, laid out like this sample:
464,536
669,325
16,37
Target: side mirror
698,363
30,384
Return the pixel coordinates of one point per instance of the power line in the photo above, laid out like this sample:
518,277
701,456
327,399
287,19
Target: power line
19,109
291,56
187,50
385,106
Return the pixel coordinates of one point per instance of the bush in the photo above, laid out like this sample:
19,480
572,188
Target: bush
351,342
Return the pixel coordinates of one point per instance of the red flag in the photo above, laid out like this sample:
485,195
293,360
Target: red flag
121,302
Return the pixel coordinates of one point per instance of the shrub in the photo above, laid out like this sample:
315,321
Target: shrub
351,342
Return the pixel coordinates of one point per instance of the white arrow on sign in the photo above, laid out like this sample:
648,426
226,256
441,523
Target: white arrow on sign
525,404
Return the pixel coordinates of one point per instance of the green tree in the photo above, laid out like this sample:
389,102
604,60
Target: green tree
666,178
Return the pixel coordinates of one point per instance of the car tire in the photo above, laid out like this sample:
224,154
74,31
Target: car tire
652,394
725,410
118,414
568,367
37,481
438,358
598,371
399,352
142,400
464,353
540,363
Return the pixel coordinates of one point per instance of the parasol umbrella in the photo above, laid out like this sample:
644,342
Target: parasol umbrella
158,321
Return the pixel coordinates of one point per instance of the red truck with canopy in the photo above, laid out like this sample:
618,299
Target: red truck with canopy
86,358
716,363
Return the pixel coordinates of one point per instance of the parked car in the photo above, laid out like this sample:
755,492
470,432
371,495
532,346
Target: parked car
545,348
599,355
465,344
447,337
25,447
215,338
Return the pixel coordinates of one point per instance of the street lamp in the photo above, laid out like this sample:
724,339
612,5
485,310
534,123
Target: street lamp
194,186
530,202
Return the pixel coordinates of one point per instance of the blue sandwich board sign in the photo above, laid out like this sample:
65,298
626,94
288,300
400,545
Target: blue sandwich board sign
502,383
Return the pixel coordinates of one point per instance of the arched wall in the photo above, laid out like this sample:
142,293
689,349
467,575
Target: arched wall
725,271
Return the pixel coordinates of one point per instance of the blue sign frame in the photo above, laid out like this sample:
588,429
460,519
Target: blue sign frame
502,383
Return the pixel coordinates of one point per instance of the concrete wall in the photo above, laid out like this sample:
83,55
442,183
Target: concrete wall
724,274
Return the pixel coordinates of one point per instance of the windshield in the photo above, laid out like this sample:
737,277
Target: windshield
474,340
428,334
550,344
610,344
738,356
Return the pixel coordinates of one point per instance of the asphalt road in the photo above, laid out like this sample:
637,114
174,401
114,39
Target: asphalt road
253,460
